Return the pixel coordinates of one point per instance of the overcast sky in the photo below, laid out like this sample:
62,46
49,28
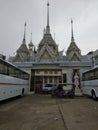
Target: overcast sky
14,13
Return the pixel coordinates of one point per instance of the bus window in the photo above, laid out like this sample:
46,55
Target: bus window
3,68
86,76
17,73
96,74
11,71
83,77
91,76
26,76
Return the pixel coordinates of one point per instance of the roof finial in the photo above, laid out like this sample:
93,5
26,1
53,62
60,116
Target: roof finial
24,38
48,13
31,36
48,28
54,36
72,36
44,31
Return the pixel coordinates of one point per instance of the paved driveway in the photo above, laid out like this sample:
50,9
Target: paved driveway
42,112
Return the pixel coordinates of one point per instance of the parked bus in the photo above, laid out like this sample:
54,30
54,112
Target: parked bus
13,81
90,82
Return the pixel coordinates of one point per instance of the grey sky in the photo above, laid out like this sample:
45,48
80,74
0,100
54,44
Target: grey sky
13,14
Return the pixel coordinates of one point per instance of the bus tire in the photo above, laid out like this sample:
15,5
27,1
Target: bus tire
22,92
93,95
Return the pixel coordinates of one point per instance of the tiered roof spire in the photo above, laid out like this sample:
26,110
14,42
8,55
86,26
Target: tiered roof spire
72,36
24,38
31,36
48,27
31,44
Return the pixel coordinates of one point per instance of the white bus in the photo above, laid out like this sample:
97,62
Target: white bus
90,82
13,81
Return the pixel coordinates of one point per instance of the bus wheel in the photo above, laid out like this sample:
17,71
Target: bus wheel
22,93
93,95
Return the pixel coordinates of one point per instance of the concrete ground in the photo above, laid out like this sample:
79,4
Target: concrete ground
42,112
